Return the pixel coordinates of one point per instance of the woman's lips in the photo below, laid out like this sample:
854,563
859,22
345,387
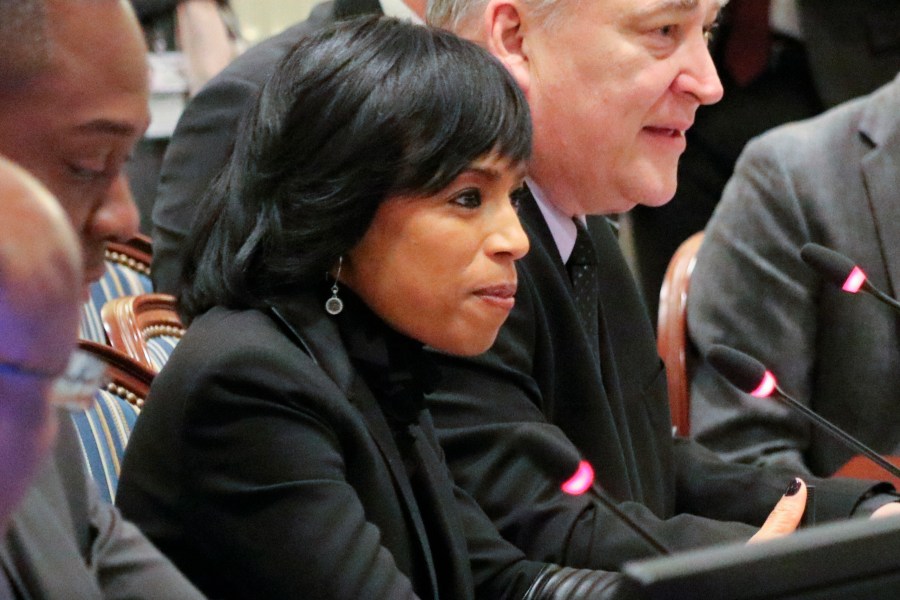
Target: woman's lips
502,295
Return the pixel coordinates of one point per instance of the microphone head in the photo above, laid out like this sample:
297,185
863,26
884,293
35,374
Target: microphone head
741,370
580,481
833,265
554,455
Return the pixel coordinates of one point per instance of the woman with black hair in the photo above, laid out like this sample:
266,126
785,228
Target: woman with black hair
368,210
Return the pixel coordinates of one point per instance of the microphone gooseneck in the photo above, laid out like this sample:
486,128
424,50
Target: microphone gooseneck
575,476
749,375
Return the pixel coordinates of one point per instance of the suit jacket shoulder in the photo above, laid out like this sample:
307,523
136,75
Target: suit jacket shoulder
65,542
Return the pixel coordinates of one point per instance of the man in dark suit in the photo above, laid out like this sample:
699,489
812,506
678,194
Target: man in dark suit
73,101
189,42
831,180
612,86
205,133
806,56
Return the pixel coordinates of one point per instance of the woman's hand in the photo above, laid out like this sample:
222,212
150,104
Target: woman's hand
786,516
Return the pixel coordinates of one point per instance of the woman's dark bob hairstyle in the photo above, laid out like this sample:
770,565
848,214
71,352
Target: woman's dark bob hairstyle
357,112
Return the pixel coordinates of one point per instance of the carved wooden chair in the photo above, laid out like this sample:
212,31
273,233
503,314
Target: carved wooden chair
672,340
103,430
127,273
146,327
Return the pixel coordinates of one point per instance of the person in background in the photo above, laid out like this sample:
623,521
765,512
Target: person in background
190,41
780,61
612,85
72,108
830,180
40,289
205,134
73,101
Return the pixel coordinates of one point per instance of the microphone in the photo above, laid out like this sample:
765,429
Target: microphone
750,376
562,461
843,272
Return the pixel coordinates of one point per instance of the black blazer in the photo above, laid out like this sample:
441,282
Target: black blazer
64,542
205,134
541,374
264,467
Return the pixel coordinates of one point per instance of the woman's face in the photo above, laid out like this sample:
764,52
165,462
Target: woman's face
440,268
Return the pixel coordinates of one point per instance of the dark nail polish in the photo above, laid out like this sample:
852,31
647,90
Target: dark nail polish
793,488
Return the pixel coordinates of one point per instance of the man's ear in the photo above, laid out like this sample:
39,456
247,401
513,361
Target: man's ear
505,39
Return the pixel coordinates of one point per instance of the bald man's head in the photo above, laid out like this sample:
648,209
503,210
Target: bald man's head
40,289
72,105
40,273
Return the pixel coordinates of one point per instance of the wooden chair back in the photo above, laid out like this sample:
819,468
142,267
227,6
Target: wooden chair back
146,327
672,340
104,429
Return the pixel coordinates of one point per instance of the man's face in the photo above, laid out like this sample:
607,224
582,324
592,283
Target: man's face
613,86
75,123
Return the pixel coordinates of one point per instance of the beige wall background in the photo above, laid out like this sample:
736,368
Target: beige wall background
260,19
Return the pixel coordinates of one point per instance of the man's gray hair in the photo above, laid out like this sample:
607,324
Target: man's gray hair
24,46
456,15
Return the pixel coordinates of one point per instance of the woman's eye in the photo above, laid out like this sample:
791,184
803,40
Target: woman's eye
517,197
468,199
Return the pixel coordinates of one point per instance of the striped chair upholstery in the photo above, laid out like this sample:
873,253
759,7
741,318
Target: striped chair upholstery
160,347
146,327
127,273
103,430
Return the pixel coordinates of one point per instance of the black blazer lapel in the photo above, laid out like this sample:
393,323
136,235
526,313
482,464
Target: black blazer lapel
544,262
312,330
448,539
555,291
611,279
362,398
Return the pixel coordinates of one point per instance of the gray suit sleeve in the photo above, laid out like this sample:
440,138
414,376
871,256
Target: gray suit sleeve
751,290
127,564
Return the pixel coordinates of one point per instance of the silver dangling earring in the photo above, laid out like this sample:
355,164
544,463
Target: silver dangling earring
335,305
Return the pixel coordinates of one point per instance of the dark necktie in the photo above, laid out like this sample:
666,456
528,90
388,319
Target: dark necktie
582,268
749,41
